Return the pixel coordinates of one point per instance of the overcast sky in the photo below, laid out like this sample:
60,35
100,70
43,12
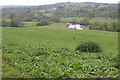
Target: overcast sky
42,2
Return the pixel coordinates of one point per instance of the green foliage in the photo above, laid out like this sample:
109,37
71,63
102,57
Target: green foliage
114,26
106,26
41,18
5,23
15,23
56,19
43,22
68,10
30,15
48,52
91,14
40,62
58,13
89,47
113,14
101,26
96,26
84,21
39,14
12,16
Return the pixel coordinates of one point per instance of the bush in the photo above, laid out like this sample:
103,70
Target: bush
114,26
89,47
84,21
15,23
96,26
56,19
105,26
42,22
5,23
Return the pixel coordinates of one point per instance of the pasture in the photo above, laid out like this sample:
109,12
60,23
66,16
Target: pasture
49,52
101,20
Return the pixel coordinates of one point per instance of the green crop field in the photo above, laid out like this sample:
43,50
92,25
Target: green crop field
49,52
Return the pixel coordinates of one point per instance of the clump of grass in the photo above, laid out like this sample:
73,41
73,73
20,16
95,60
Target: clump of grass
89,46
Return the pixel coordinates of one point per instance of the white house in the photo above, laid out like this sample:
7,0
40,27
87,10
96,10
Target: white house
75,26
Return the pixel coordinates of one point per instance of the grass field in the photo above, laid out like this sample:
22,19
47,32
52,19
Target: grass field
49,52
91,20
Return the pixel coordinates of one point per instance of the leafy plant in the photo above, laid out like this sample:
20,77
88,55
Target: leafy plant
89,47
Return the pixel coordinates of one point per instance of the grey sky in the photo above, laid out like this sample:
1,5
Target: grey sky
41,2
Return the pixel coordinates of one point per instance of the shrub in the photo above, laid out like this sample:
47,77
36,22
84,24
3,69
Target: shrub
56,19
84,21
43,22
114,26
89,47
5,23
15,23
96,26
105,26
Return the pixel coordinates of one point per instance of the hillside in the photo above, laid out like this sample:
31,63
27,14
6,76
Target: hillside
68,9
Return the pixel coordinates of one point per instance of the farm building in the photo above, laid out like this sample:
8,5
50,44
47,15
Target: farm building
75,26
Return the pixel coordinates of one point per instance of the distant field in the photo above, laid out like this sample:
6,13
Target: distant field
29,23
48,51
91,20
57,35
